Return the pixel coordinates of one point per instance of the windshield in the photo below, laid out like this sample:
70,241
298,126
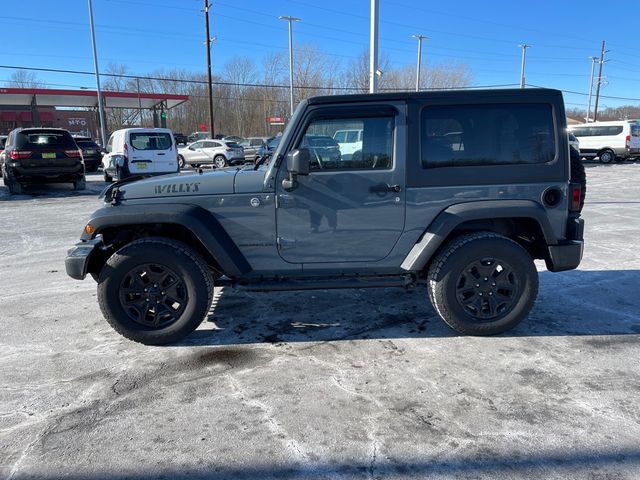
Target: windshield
31,139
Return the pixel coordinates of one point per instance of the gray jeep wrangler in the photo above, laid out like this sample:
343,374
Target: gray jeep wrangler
456,190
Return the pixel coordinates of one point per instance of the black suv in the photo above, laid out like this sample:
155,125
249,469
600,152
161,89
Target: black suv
91,153
41,155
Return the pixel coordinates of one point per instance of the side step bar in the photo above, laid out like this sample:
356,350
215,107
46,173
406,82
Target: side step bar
323,283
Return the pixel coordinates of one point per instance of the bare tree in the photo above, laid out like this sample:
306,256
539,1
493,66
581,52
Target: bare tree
24,79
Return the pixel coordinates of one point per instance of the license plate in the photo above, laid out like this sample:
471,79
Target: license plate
141,166
89,152
48,155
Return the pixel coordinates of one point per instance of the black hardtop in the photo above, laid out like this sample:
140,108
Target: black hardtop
454,95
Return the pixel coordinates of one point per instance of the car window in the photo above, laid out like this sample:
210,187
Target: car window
244,143
635,130
196,145
31,139
375,151
490,134
209,144
87,144
2,142
598,131
256,142
232,144
150,140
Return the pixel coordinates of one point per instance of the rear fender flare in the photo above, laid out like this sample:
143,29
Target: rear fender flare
440,228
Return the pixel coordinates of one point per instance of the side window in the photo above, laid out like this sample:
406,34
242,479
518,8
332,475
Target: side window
208,144
329,150
256,142
196,145
492,134
110,144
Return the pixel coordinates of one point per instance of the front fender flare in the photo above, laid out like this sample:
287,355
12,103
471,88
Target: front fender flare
204,225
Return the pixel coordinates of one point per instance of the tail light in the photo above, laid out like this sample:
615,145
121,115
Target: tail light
627,142
72,153
18,155
575,195
126,155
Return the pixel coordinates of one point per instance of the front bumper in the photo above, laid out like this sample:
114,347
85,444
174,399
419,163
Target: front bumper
79,256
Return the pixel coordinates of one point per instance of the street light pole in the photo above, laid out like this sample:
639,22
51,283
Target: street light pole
103,126
419,63
524,47
373,49
593,67
290,19
595,107
209,82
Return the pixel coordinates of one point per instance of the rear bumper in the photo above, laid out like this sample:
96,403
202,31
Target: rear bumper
48,174
77,262
568,254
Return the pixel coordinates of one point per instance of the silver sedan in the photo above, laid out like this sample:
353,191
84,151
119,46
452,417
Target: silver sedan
211,152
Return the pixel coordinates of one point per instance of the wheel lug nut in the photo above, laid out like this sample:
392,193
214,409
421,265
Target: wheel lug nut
485,279
157,301
480,294
477,285
146,299
493,284
161,293
490,293
155,284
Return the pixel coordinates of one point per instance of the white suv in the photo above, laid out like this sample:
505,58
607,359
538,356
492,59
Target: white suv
211,152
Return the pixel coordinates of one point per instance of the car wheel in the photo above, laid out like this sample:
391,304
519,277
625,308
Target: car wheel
15,188
155,290
606,156
483,283
80,184
219,161
181,163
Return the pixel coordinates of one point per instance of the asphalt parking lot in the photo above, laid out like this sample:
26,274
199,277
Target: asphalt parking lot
327,384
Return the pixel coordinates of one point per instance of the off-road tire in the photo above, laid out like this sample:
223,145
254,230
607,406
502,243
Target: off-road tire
80,184
455,259
606,156
172,256
578,174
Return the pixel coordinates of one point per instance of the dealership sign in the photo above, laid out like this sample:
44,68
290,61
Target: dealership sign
275,120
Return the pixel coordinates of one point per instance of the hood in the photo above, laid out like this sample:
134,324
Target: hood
217,182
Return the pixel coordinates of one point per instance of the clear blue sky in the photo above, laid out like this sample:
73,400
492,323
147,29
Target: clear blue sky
149,34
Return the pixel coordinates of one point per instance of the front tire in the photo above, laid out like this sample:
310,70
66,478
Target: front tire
483,283
155,290
181,162
219,161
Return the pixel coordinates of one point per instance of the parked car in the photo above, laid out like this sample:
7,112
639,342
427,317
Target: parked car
350,141
91,153
41,155
3,139
574,142
195,136
140,151
323,149
254,148
608,141
181,138
211,152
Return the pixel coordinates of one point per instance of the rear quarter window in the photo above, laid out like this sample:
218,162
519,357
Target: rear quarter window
487,134
150,140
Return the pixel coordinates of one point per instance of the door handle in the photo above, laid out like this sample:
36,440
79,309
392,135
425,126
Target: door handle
383,188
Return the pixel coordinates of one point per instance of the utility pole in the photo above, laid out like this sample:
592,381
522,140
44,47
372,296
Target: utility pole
419,38
290,19
524,47
593,67
373,49
209,83
103,124
595,108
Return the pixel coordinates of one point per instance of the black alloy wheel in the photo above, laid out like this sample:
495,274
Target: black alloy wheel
153,295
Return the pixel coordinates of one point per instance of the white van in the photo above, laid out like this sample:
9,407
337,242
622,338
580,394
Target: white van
608,141
140,151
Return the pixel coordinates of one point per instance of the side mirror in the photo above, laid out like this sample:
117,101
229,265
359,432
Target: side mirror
298,161
297,164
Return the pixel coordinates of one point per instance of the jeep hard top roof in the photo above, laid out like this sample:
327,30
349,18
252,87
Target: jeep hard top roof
464,94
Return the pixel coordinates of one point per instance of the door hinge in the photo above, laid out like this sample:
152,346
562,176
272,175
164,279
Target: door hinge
285,243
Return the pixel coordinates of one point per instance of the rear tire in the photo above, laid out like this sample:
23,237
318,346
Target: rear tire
482,283
14,186
181,163
155,290
606,156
